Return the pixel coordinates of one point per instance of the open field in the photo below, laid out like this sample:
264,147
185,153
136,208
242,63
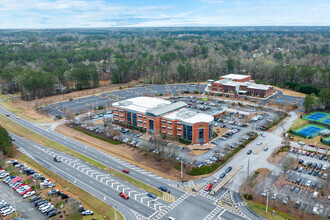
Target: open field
290,92
24,132
101,209
30,115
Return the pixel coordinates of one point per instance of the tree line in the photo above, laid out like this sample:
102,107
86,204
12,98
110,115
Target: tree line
47,62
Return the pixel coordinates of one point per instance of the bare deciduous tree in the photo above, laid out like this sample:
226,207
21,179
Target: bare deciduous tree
287,164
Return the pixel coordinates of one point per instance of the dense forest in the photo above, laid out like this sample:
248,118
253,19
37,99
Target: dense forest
40,63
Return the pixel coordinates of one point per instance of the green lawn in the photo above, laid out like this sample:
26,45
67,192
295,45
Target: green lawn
298,123
260,209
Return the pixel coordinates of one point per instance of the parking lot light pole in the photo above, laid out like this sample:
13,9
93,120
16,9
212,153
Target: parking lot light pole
12,196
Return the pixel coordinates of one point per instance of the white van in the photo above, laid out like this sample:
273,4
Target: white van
315,195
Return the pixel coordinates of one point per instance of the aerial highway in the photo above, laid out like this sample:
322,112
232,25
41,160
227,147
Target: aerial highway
101,184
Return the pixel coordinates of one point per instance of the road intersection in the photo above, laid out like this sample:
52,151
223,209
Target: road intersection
182,204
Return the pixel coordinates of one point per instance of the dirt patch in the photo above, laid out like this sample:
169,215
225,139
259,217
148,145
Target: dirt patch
290,92
274,158
134,156
197,152
254,181
220,131
99,122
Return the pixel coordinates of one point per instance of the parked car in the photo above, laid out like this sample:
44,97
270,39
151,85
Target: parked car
125,171
249,152
87,212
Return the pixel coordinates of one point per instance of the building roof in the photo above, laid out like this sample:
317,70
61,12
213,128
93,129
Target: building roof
249,85
158,111
141,104
235,76
189,117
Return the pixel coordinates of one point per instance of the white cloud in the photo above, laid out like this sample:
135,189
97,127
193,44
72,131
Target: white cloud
102,13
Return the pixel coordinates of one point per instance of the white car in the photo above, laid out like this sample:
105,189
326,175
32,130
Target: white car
28,194
259,143
8,211
301,143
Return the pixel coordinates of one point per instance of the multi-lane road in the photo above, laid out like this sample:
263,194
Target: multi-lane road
184,205
180,204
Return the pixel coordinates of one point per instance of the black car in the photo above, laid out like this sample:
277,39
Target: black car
298,180
325,158
301,161
310,172
228,169
163,188
295,168
249,152
321,157
64,196
315,173
297,204
56,159
35,198
314,165
51,214
222,175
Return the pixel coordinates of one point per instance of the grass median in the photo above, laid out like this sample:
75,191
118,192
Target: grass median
31,135
101,209
260,209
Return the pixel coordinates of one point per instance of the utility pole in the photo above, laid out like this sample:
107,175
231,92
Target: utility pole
267,201
181,169
248,167
115,212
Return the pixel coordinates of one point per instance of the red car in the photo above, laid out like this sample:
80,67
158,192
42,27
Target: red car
126,171
308,153
123,195
208,187
311,145
26,191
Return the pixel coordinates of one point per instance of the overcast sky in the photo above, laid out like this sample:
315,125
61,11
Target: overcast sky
161,13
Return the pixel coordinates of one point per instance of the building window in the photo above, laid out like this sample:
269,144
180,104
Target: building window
116,110
170,129
144,122
151,125
169,123
164,127
144,117
179,135
187,132
163,121
116,114
179,123
139,121
179,129
140,116
210,131
121,111
201,134
122,116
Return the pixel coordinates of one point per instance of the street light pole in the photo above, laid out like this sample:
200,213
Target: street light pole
267,201
181,169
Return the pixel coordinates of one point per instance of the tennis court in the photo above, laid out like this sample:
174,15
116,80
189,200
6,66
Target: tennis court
310,130
327,121
317,116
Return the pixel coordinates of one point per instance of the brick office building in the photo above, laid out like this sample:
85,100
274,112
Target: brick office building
160,116
241,85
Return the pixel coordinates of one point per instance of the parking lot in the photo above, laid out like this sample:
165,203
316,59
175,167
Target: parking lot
301,189
26,209
85,104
